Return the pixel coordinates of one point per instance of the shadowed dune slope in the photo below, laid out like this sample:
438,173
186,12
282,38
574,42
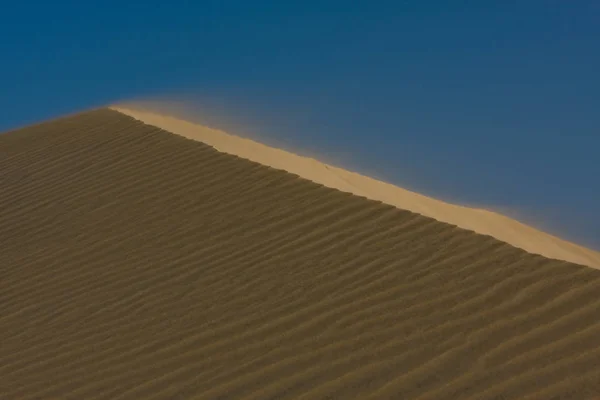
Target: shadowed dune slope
478,220
137,264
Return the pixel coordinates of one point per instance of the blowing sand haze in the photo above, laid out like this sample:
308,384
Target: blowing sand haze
138,264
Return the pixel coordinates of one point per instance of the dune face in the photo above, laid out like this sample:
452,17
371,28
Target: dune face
137,264
481,221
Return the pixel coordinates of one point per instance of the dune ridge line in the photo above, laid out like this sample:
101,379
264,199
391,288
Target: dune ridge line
480,221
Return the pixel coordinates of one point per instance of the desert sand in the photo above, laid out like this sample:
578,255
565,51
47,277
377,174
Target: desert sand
478,220
138,264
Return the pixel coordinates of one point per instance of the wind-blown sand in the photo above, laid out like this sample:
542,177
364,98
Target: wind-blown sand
481,221
137,264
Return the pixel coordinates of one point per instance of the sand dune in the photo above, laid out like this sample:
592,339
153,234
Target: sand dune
137,264
481,221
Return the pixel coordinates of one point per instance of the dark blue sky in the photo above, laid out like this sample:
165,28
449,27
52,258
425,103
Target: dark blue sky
489,103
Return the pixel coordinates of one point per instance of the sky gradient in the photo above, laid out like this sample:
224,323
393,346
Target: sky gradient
493,104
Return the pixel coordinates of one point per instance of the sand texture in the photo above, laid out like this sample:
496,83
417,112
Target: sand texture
478,220
137,264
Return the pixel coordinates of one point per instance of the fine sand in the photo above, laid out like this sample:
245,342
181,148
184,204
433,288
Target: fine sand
481,221
137,264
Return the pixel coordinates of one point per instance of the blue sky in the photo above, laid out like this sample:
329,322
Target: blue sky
487,103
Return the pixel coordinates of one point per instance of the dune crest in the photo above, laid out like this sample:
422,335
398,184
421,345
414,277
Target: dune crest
478,220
